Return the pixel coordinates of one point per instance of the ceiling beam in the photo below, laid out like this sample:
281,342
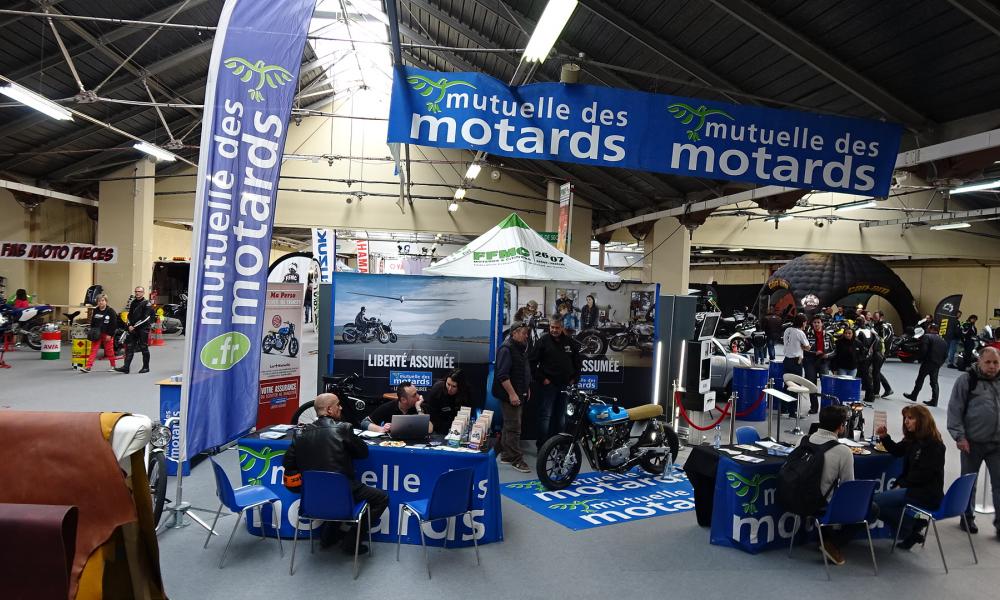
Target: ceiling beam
37,191
24,5
983,13
959,216
805,50
477,38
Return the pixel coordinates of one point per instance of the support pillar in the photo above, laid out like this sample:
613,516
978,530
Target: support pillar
671,260
125,221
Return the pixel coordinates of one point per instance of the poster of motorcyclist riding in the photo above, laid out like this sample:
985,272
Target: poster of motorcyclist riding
279,358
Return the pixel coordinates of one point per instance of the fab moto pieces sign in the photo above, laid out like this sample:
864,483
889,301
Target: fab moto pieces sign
279,359
611,127
59,252
251,83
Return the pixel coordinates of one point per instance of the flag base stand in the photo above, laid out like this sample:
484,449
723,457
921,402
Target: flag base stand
176,520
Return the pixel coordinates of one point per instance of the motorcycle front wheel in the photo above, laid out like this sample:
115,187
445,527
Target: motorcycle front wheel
268,344
619,342
157,472
393,338
293,347
553,474
656,464
305,414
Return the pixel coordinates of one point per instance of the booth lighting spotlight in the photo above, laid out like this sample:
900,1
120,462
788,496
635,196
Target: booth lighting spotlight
962,189
949,226
155,151
453,207
459,193
855,206
36,101
547,30
473,171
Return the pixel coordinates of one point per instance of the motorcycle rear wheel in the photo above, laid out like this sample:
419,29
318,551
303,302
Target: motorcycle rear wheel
350,336
619,343
33,337
157,472
592,344
383,337
549,464
293,347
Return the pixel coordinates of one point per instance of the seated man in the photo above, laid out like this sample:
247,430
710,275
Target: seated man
328,444
408,402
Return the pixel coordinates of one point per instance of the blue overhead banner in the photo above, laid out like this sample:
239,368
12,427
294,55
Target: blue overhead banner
610,127
251,83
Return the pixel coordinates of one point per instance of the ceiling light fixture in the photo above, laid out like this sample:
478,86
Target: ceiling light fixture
784,218
155,151
473,171
976,187
706,251
453,207
550,25
36,101
459,193
736,249
855,206
949,226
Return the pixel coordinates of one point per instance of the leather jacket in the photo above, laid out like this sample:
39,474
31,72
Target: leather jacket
324,445
140,314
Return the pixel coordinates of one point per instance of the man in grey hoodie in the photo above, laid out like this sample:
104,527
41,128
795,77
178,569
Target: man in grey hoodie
974,423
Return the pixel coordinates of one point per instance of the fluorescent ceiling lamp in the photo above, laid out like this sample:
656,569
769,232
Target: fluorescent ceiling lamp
550,25
976,187
949,226
473,171
35,101
453,207
855,206
155,151
784,218
736,249
706,251
459,193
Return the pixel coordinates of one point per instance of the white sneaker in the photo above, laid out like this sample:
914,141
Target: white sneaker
111,369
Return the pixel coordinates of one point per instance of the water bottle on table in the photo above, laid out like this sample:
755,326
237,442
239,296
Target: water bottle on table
717,440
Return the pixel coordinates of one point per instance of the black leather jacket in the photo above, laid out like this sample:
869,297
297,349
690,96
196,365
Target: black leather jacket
140,314
324,445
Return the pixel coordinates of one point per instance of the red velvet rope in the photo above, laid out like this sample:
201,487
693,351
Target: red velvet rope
724,411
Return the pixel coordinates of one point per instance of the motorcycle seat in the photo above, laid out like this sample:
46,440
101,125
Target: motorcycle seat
646,411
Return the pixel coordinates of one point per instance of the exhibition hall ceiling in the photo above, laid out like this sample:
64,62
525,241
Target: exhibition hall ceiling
923,63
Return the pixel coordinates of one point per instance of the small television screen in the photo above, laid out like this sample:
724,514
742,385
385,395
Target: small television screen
708,325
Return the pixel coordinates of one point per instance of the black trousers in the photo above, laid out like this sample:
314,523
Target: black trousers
865,373
138,341
377,499
926,369
879,382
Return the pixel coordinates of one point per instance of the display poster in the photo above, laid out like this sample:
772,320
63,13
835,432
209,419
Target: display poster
394,328
86,253
279,358
324,246
607,127
563,238
251,82
364,258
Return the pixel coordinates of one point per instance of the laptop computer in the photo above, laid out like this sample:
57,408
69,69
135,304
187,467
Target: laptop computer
410,427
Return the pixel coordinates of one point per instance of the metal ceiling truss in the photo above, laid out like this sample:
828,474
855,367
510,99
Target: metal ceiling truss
984,13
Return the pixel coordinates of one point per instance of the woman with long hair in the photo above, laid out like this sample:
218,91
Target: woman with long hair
922,480
445,398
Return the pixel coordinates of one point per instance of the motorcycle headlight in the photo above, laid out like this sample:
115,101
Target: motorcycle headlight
570,409
160,437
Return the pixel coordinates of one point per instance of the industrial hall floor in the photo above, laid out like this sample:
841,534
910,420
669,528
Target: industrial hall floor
653,558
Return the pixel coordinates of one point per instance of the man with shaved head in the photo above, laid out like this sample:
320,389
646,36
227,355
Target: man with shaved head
329,444
974,423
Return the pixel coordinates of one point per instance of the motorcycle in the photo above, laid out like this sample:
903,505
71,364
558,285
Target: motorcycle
614,439
156,466
906,347
636,334
355,405
25,323
376,330
175,316
278,340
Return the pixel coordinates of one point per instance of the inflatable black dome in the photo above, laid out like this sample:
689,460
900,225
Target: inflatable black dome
824,279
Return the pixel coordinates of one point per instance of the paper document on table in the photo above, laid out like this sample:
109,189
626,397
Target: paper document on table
370,434
749,459
768,444
283,427
747,447
272,435
851,443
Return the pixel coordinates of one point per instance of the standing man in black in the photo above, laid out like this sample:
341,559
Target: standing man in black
328,444
555,361
883,335
866,342
772,327
933,354
140,319
512,387
969,335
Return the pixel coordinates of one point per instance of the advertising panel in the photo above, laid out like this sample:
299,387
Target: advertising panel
279,360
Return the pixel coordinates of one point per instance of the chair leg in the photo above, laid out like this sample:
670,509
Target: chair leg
295,539
312,548
475,544
277,528
822,550
967,533
211,531
399,529
260,517
424,544
239,520
357,545
371,546
871,547
940,549
795,529
895,537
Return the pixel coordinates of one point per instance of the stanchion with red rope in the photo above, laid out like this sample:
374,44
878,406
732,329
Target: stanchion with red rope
724,412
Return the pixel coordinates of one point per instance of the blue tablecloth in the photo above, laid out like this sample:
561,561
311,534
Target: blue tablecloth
745,512
405,474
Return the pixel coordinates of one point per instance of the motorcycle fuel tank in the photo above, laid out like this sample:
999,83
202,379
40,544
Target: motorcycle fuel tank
606,414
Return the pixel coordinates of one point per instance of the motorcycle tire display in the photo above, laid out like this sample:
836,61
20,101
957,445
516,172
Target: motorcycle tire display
550,469
157,473
268,344
293,347
33,337
655,464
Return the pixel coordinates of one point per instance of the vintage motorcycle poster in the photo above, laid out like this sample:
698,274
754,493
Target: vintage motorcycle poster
279,357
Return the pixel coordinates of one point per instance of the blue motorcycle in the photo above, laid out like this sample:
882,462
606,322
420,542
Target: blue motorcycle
613,438
278,340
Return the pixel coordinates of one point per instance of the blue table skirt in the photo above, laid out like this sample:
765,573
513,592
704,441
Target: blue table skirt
405,474
745,512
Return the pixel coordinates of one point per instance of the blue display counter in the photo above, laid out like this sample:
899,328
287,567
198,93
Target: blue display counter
405,474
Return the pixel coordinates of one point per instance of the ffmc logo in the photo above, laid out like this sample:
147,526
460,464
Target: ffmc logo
222,352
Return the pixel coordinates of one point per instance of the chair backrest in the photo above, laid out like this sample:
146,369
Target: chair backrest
851,502
957,498
326,495
452,494
800,381
747,435
223,488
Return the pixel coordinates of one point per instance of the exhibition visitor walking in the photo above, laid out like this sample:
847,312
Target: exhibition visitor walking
102,327
140,319
933,351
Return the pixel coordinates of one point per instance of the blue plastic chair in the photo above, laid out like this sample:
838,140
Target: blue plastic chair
747,435
326,496
850,504
956,501
240,500
451,497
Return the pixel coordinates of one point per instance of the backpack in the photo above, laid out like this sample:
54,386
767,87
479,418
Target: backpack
800,477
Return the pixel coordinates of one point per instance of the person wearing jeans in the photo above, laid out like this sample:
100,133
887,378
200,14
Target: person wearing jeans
512,387
104,319
555,361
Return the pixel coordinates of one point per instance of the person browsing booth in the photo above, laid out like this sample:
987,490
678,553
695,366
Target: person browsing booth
408,402
329,444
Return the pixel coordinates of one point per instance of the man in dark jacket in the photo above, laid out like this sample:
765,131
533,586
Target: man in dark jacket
555,361
816,360
974,424
883,335
140,319
933,354
512,387
954,334
772,327
328,444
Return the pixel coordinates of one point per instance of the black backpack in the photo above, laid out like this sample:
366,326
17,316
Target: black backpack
800,477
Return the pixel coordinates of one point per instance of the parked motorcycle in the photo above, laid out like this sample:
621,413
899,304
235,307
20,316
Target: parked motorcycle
906,347
156,466
376,330
354,403
25,323
614,439
636,334
175,316
280,339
